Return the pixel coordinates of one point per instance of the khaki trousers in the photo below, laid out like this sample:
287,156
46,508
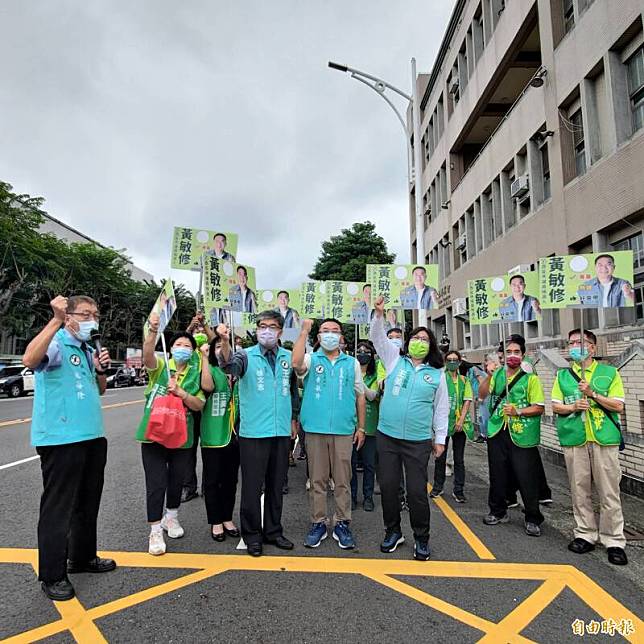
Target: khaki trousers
329,456
599,463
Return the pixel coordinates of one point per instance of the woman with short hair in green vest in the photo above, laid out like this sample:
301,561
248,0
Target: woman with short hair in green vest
164,467
587,406
366,356
516,403
219,444
460,427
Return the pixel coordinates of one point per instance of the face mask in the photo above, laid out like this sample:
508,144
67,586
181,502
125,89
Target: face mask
329,341
85,329
513,361
418,349
200,339
452,365
397,342
181,355
364,358
577,355
267,338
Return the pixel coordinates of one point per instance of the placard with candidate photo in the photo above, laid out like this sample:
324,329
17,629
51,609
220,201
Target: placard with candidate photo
592,280
189,244
285,301
404,286
164,307
229,285
345,302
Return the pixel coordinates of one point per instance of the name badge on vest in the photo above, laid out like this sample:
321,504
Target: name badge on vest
284,364
427,378
75,360
319,369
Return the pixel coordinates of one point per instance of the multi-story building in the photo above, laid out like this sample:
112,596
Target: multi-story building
532,123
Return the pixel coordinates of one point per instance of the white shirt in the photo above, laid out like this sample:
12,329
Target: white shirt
358,383
419,301
390,354
520,309
605,292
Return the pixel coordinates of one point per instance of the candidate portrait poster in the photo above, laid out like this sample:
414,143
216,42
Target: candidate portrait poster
593,280
164,307
345,302
404,286
286,301
190,244
228,285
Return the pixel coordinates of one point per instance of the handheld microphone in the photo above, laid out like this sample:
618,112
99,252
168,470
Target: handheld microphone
95,337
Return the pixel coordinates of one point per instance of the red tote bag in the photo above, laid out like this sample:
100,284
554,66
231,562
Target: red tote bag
168,424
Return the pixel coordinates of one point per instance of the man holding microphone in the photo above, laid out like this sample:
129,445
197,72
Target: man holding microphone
67,432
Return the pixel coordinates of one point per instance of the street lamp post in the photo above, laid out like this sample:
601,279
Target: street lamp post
414,159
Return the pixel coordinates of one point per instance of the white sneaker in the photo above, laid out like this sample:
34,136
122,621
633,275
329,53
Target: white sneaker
157,543
172,526
448,470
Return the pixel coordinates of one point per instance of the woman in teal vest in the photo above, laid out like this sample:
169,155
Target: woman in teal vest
366,356
460,428
514,432
165,468
219,444
414,414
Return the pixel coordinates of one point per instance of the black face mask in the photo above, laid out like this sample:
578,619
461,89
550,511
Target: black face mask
364,358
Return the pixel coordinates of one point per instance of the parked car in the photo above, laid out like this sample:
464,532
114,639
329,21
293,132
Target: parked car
141,378
16,380
120,377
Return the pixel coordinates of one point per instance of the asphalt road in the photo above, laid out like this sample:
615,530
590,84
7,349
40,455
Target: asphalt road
204,591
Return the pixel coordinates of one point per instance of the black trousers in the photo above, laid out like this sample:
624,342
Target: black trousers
264,462
393,454
190,482
544,488
220,472
165,470
72,477
458,449
505,460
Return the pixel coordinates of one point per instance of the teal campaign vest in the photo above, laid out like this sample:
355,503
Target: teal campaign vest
407,407
264,396
67,406
329,400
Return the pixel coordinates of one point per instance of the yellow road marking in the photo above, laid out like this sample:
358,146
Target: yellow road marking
80,621
20,421
480,549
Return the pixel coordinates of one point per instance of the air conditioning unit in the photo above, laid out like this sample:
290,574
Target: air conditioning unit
459,306
519,187
462,242
520,269
453,88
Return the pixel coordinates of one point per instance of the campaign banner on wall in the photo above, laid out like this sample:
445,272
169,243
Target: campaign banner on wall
190,244
504,298
592,280
404,286
312,299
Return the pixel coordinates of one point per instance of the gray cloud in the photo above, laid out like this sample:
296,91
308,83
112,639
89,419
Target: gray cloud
134,117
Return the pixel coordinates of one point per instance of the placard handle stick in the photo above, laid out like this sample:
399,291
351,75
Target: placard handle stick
355,340
507,392
200,291
583,340
165,356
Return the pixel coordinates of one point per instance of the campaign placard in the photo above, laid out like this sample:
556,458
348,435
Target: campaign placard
228,285
189,245
312,299
285,301
164,307
404,286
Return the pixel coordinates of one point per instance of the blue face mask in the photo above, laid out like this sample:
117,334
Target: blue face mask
397,342
85,329
577,355
181,355
329,341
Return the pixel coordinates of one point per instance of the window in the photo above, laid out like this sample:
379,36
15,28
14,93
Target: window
579,144
636,244
545,171
635,66
568,15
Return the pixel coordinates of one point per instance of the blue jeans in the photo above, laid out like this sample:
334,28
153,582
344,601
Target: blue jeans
484,416
368,451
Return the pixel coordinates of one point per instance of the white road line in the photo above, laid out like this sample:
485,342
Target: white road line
20,462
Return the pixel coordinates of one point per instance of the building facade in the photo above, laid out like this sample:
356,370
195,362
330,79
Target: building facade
532,124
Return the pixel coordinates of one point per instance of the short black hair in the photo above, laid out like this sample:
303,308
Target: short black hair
434,357
422,268
285,293
607,256
333,320
516,339
183,334
394,330
270,315
371,366
515,276
365,286
589,335
220,235
242,268
454,352
212,357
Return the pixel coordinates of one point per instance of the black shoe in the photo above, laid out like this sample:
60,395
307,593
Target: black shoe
219,536
93,565
547,501
280,542
436,491
481,439
421,550
367,504
617,556
254,549
58,591
580,546
302,456
188,495
491,519
393,538
284,489
459,497
234,533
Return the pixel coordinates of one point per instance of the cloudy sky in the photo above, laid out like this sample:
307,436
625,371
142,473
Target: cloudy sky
132,117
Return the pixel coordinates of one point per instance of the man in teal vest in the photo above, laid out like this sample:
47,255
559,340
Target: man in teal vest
587,405
67,432
333,417
269,403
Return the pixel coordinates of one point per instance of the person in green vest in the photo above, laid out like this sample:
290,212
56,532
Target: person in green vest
514,432
219,444
333,416
165,468
366,356
587,399
460,427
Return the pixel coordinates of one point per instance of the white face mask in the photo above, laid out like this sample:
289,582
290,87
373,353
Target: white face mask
396,342
85,329
267,338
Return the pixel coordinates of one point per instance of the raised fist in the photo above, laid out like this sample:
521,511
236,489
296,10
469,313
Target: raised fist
59,307
379,305
306,326
153,322
223,332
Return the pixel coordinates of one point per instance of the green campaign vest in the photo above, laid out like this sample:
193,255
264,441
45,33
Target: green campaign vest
524,431
373,407
456,391
218,416
571,428
191,383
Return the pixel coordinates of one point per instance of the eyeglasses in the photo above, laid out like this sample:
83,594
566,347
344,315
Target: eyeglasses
272,327
421,338
364,352
86,315
574,343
